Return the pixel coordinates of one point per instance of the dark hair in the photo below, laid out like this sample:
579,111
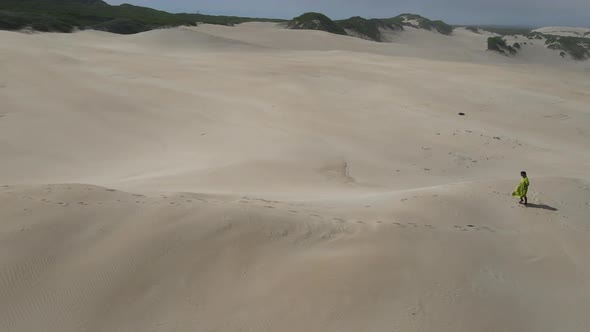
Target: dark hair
523,173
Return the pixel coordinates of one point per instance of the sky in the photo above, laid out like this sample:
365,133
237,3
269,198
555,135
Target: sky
530,13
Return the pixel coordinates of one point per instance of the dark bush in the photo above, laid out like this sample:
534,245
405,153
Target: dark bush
122,26
439,26
498,44
12,21
369,28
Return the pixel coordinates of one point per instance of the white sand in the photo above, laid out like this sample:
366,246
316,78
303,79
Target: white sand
279,180
565,31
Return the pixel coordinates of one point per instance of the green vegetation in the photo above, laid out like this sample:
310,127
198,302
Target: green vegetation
423,23
224,20
577,47
66,15
122,26
369,28
39,22
473,29
498,44
439,26
316,21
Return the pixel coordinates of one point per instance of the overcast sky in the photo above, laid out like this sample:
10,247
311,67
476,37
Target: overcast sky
505,12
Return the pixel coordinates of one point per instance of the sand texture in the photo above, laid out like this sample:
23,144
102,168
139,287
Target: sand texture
253,178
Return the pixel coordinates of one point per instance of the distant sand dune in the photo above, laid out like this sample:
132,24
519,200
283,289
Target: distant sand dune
565,31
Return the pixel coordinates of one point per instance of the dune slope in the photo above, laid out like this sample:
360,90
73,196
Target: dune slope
260,179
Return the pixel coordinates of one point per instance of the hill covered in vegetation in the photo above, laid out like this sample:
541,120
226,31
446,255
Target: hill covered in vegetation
420,22
68,15
578,48
316,21
367,28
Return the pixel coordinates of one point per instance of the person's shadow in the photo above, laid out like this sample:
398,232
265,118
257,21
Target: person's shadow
541,206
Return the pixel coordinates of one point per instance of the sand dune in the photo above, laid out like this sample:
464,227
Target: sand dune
260,179
565,31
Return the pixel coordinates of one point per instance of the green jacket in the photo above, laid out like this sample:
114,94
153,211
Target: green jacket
522,189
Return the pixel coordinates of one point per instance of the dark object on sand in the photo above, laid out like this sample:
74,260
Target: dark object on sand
462,114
